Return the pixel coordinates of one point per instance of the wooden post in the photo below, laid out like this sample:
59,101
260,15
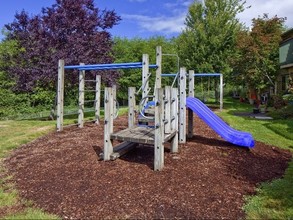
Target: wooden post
81,97
114,87
190,94
159,131
159,68
112,110
108,122
98,99
182,106
145,77
191,83
221,92
60,95
167,107
174,119
131,107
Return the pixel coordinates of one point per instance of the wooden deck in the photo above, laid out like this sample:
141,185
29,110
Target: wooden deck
142,135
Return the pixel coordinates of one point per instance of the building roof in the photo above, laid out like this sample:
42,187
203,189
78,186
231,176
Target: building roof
287,34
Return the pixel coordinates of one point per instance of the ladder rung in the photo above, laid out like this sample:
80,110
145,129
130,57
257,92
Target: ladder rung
86,101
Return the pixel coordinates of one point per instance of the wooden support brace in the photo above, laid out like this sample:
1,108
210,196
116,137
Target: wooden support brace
60,95
122,149
190,94
108,123
182,106
168,109
98,99
145,77
131,107
159,69
159,131
81,97
174,119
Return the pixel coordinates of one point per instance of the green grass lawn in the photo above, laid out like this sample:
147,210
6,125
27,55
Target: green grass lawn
275,132
273,200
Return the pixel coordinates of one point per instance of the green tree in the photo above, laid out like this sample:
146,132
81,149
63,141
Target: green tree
258,52
208,41
10,102
131,50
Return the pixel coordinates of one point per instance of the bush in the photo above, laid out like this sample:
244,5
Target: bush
288,98
278,101
283,113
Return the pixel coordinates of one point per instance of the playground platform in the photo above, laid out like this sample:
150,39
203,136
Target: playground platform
141,135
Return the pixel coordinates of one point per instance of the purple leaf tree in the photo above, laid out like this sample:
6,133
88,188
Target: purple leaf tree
75,31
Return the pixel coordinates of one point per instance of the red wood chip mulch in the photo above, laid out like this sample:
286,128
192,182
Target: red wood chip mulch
61,173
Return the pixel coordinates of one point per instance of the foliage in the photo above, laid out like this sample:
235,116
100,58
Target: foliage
131,50
258,52
75,31
288,97
283,113
278,101
273,132
208,41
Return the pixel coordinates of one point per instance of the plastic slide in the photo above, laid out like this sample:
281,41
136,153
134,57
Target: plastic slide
231,135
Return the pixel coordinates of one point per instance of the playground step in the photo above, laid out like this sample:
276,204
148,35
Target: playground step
142,135
145,120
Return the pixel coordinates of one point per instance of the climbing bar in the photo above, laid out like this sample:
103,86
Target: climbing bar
169,74
103,65
87,101
207,74
88,90
109,66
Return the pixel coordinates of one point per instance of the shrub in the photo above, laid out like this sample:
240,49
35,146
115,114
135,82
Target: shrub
278,102
288,97
283,113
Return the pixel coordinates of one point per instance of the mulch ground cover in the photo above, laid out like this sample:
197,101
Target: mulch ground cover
62,174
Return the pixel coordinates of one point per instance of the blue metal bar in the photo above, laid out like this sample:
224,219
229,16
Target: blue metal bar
169,74
102,65
109,66
153,66
207,74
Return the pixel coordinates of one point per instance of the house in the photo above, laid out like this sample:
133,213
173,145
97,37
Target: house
285,78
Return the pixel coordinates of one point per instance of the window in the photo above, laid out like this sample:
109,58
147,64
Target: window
285,82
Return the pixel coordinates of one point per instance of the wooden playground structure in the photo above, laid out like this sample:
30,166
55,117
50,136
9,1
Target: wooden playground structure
167,116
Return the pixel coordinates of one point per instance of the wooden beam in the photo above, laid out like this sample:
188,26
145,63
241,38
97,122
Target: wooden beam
182,106
81,97
108,122
98,99
145,77
221,92
167,101
131,107
60,95
159,131
122,149
190,94
159,68
174,119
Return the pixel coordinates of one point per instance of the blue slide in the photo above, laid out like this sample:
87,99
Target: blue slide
236,137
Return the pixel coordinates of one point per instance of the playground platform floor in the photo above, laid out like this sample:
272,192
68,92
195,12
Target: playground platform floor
208,179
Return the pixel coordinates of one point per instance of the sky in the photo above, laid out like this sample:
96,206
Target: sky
146,18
